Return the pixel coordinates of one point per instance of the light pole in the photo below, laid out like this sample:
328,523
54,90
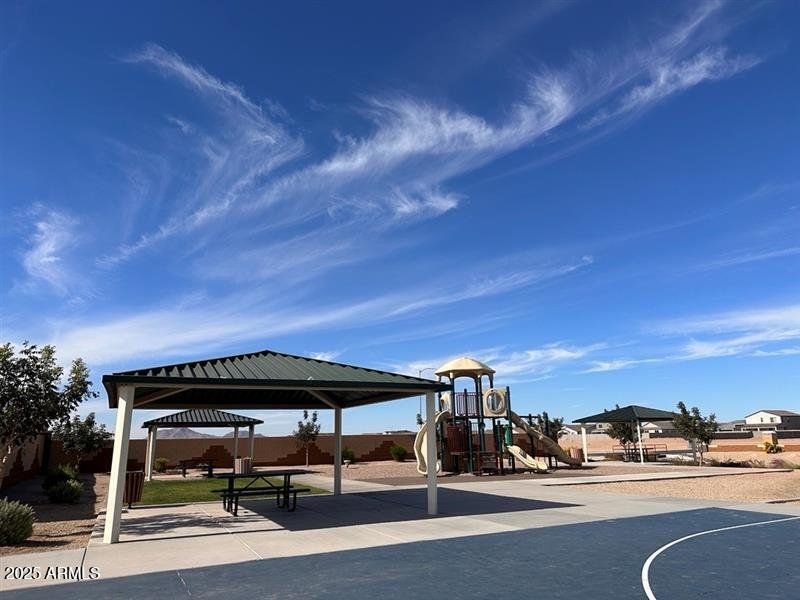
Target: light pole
419,374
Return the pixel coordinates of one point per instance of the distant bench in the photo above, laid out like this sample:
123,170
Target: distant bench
206,463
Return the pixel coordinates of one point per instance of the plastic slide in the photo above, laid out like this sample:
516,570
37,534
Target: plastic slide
420,444
527,460
552,447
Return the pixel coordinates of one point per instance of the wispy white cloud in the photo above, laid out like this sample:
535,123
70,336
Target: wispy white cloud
778,318
758,332
781,352
602,366
542,361
328,356
54,234
400,171
179,328
514,366
492,285
668,78
750,257
238,145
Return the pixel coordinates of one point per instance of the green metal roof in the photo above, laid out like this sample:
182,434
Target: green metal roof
202,417
264,379
627,414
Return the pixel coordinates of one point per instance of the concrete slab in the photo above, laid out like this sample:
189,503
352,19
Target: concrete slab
600,559
182,549
58,560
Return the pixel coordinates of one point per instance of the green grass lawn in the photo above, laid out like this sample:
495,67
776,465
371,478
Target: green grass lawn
175,491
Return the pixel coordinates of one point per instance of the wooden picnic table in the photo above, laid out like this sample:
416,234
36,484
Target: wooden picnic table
231,495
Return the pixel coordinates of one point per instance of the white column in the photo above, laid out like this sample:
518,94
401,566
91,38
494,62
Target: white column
252,443
337,451
641,450
119,464
585,443
148,455
430,452
153,452
235,444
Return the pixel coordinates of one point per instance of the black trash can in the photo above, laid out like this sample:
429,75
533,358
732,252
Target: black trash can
134,484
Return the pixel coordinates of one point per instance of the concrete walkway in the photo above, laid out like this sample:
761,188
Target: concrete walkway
176,538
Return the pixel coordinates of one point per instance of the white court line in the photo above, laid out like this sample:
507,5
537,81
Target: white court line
652,557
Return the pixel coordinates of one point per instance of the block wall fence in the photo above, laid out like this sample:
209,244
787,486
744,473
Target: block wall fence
29,460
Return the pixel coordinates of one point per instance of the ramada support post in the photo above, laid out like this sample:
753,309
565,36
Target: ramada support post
152,434
585,444
119,463
430,452
641,449
235,446
337,451
252,431
337,438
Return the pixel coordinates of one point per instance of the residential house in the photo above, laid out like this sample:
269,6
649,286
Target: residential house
771,419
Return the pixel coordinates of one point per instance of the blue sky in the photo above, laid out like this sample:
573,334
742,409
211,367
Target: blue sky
600,200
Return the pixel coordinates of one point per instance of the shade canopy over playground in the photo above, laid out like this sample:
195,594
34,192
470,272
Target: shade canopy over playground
257,381
465,367
627,414
197,417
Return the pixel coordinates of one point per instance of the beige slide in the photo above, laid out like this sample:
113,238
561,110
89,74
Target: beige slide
420,444
527,460
552,447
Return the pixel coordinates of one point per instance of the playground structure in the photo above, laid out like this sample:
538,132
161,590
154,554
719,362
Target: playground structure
461,424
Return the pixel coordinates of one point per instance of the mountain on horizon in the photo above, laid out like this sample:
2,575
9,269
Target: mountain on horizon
182,433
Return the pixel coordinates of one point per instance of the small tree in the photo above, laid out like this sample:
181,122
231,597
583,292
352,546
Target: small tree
307,431
31,399
624,433
552,428
694,427
80,437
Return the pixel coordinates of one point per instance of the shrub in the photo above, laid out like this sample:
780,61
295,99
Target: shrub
738,464
771,448
398,453
16,522
66,492
348,454
160,465
58,475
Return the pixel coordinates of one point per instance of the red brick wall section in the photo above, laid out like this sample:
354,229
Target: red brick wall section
283,451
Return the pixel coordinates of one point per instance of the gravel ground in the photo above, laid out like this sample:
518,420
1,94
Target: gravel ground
59,526
755,487
405,473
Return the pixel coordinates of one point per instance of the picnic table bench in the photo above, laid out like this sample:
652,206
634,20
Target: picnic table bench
208,463
285,494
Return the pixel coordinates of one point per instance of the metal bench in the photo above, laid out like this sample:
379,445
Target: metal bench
206,463
230,499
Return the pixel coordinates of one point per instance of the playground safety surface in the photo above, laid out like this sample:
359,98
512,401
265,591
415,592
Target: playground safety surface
483,544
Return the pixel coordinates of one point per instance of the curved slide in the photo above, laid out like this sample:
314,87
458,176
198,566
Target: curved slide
526,459
552,447
420,444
